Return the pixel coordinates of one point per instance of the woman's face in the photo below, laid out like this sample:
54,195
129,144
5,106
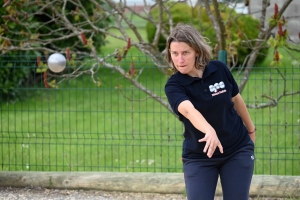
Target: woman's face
183,57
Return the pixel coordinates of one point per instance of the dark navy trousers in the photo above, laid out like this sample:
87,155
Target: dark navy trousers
235,171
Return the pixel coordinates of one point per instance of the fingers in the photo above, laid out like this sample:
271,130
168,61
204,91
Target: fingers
210,152
206,147
253,137
211,145
212,148
220,147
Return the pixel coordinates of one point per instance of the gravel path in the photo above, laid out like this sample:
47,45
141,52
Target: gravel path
39,193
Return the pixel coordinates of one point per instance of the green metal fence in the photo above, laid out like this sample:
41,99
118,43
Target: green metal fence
115,127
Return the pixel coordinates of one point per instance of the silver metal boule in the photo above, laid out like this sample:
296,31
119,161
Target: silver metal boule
56,62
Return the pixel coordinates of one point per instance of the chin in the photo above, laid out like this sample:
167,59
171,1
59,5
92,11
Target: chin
182,71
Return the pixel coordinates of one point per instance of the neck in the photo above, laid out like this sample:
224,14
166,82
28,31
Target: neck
197,73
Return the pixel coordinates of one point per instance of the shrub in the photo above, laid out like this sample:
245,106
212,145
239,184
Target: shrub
177,16
15,71
238,28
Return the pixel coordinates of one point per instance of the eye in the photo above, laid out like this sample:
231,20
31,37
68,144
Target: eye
174,53
185,52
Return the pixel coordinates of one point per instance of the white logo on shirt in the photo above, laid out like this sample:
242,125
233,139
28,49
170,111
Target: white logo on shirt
217,86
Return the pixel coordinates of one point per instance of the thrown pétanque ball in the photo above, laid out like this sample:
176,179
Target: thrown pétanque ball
57,62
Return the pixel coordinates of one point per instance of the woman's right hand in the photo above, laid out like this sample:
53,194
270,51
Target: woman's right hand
212,142
187,109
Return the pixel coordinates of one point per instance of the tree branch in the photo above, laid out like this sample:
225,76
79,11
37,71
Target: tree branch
262,38
218,26
274,101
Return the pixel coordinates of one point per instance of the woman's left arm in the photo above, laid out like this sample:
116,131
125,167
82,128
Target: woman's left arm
242,110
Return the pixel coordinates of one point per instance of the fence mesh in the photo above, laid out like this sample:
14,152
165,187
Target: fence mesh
114,126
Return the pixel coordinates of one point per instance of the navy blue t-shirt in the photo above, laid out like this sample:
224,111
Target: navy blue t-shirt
212,96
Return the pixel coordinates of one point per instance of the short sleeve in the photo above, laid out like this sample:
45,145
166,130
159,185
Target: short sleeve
235,87
175,94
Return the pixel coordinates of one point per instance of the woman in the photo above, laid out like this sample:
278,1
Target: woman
218,132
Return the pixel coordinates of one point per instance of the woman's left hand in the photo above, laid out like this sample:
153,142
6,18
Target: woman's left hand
253,136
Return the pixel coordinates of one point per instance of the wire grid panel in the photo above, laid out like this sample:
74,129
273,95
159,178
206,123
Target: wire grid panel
114,126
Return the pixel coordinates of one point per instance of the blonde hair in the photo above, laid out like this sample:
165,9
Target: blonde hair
191,36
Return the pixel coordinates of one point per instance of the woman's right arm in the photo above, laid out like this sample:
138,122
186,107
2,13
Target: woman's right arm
187,109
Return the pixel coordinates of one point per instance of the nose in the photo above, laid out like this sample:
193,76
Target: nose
180,58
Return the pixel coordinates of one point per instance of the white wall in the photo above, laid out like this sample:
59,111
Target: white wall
291,14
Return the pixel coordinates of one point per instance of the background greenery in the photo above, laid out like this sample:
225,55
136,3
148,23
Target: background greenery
38,25
238,28
82,127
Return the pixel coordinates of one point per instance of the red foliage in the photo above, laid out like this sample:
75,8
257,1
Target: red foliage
83,39
125,53
38,61
68,54
276,56
128,43
45,80
283,19
240,34
275,11
119,57
132,69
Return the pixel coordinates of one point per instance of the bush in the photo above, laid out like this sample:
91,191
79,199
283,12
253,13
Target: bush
240,27
177,17
15,71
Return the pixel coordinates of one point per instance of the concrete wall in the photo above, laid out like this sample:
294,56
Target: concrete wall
291,14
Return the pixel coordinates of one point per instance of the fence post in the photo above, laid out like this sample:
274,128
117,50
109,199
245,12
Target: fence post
222,56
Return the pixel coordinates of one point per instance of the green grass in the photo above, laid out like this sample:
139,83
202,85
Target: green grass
82,127
277,145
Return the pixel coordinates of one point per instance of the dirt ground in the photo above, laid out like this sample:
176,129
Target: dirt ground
39,193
